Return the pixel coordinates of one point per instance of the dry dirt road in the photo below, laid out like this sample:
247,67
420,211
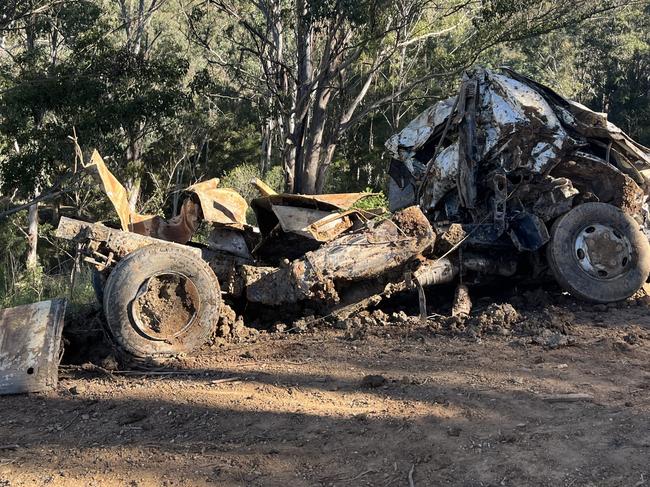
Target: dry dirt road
451,408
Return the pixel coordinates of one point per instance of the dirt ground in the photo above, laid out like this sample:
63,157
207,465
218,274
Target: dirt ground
378,403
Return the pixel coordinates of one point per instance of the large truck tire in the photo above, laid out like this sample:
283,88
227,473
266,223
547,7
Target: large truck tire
598,253
160,301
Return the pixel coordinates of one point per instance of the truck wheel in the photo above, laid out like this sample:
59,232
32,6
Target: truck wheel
598,253
160,301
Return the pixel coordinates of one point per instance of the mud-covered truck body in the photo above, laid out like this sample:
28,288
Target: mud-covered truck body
523,181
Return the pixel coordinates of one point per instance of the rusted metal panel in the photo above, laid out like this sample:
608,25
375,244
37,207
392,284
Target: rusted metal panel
220,205
268,220
216,205
100,239
319,225
262,187
30,345
339,201
297,220
116,194
331,226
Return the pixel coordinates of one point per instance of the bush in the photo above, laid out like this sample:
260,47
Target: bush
372,201
34,285
240,178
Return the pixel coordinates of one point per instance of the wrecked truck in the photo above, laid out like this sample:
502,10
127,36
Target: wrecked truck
506,178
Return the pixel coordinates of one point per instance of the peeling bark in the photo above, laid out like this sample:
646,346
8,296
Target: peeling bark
32,236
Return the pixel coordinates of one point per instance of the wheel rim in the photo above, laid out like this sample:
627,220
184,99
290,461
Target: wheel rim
602,252
165,306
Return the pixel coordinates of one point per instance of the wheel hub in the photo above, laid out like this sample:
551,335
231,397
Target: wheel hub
165,306
602,252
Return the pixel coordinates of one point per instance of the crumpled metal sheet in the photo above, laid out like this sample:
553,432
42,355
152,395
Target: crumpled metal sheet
589,123
419,130
521,117
318,225
267,207
443,174
30,342
116,194
501,121
217,205
297,220
333,225
220,205
178,229
340,201
229,240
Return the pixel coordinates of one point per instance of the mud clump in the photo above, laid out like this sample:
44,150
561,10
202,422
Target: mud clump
376,322
462,302
357,327
167,306
549,327
231,328
412,222
553,318
550,340
451,237
497,319
226,321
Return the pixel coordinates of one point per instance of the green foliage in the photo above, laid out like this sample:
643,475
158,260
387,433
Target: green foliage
372,201
240,177
50,279
120,101
358,12
35,285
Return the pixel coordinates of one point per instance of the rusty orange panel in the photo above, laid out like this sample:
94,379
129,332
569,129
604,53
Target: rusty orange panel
220,205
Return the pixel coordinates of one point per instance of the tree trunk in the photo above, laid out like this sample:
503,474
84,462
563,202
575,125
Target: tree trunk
324,167
267,145
304,41
32,236
315,145
289,156
134,165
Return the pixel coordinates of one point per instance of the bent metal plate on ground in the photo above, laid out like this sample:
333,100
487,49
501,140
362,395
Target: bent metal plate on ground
30,341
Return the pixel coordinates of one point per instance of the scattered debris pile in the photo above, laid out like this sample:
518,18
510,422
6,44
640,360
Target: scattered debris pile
547,325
